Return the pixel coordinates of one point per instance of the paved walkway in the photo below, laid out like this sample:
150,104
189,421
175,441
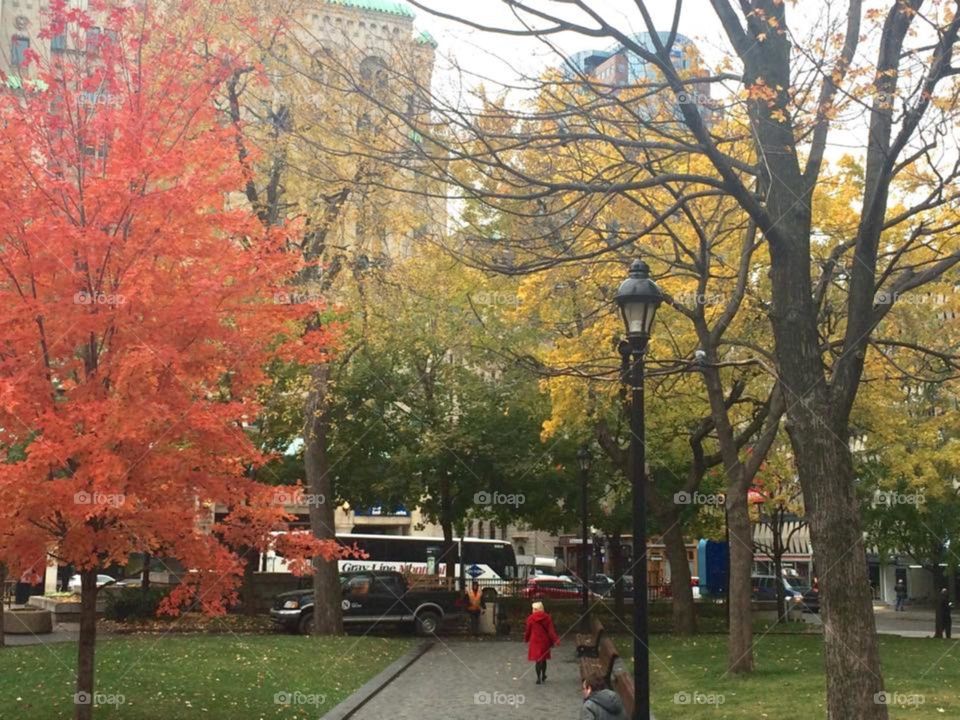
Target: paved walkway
475,679
913,623
62,632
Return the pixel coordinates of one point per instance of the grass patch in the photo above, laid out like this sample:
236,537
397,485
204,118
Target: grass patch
921,676
216,678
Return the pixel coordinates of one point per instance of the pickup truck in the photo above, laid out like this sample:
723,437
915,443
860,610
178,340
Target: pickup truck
371,598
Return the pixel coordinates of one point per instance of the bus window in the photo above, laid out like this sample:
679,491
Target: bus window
499,557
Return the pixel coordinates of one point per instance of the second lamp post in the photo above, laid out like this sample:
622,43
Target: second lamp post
583,460
638,298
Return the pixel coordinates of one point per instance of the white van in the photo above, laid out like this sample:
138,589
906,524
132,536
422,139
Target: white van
529,566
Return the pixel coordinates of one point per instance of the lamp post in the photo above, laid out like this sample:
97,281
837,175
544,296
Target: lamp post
583,460
638,298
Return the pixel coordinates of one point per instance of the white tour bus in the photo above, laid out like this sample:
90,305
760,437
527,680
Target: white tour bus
492,563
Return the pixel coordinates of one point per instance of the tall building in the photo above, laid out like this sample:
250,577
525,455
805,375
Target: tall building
375,45
683,53
619,67
20,23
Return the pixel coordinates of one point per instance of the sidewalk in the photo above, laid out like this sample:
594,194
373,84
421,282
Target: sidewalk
62,632
475,679
916,622
912,622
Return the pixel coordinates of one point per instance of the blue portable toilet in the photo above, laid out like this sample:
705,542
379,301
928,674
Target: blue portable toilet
713,561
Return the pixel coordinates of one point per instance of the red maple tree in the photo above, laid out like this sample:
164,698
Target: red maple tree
137,313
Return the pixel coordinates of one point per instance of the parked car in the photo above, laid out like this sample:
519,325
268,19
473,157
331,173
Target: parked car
554,586
765,588
372,598
75,584
602,584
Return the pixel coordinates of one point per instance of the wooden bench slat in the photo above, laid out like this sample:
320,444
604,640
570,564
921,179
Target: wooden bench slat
608,662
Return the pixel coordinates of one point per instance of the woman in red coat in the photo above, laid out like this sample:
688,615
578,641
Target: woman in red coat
541,636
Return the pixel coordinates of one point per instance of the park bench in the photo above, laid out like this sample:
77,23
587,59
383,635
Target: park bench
588,643
596,653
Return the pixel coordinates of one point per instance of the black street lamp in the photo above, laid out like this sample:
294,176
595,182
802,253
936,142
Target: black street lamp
583,460
638,298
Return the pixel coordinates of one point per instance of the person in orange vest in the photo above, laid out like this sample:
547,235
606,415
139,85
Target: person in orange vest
475,605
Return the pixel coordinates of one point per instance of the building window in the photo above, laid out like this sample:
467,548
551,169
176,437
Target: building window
18,50
373,73
94,38
58,43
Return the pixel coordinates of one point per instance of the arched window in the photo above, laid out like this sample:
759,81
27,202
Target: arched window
373,73
19,45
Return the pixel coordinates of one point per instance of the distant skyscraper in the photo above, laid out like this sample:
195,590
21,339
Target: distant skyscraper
619,67
635,70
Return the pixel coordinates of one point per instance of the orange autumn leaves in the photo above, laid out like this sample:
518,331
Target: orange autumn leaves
138,310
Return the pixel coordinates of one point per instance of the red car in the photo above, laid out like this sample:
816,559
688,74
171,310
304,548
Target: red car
551,586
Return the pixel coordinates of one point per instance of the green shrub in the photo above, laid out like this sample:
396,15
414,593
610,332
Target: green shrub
131,603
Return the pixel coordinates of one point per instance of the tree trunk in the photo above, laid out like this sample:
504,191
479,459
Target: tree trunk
3,599
327,614
145,576
86,646
446,525
616,561
936,572
826,472
818,426
248,593
776,528
740,646
684,611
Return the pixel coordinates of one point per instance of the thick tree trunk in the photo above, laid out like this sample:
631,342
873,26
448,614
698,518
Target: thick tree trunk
86,646
740,645
818,425
850,641
327,614
684,611
616,561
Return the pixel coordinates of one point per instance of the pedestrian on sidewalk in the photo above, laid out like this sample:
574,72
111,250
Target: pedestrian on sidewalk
944,621
599,701
901,590
475,606
540,635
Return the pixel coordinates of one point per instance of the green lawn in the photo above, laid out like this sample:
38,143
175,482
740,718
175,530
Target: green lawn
214,677
789,681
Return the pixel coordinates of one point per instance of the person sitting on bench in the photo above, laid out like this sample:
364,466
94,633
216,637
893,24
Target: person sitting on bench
599,701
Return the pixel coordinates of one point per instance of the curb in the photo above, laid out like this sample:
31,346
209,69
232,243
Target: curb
372,687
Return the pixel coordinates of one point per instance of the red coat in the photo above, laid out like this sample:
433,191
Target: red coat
541,636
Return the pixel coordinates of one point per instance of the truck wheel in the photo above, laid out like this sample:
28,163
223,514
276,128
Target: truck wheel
489,595
428,622
305,626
